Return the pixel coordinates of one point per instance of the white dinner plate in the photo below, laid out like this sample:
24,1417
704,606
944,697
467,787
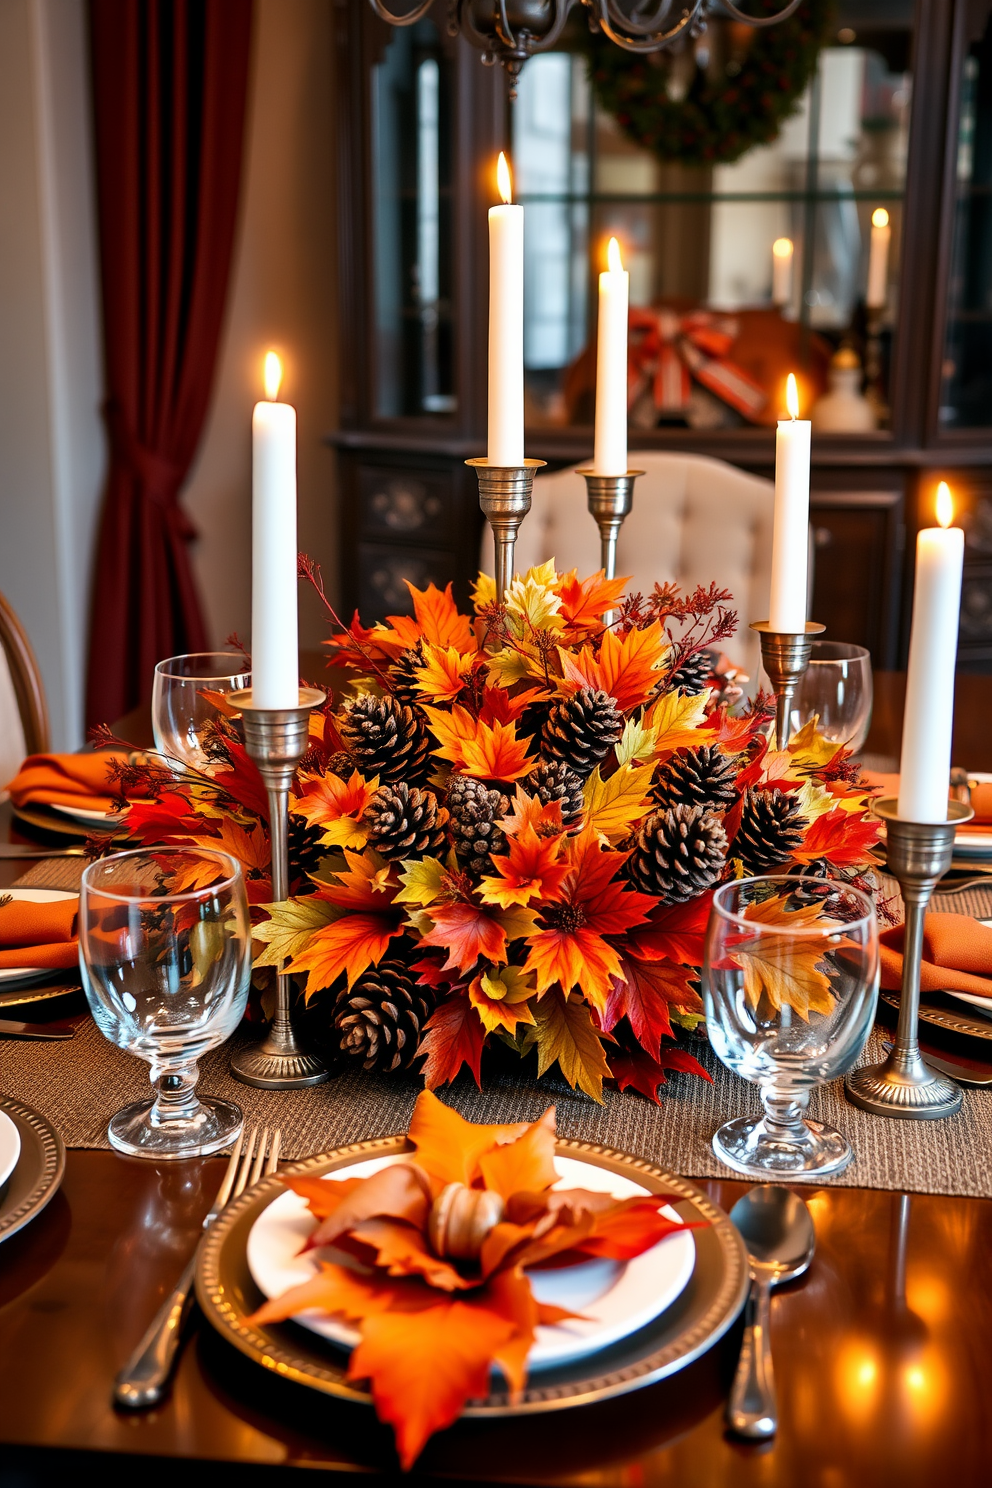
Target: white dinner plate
84,813
23,976
616,1298
10,1147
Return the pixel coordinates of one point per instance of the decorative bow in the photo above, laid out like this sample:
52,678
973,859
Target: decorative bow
668,350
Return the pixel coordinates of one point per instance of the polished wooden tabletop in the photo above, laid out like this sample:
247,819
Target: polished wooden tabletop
883,1351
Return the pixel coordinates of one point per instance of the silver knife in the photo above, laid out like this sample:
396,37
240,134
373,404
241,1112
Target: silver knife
11,1029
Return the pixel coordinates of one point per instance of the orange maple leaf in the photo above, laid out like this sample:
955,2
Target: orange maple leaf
841,836
336,806
399,1191
348,946
531,869
674,931
529,811
495,753
444,673
627,669
499,706
435,619
467,933
448,1147
367,882
584,602
452,727
526,1165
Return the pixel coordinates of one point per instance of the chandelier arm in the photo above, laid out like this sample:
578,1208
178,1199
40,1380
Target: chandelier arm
503,28
563,9
738,15
649,44
653,24
403,20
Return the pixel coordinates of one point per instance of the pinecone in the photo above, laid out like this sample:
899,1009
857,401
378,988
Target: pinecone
678,853
697,777
693,675
582,729
772,828
386,738
553,780
340,764
474,810
401,674
405,822
305,847
381,1020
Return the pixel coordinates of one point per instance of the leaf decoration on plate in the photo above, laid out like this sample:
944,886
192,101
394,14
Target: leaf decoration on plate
433,1316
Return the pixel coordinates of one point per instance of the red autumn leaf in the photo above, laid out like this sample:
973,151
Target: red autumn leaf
638,1071
243,782
643,993
163,820
531,869
453,1036
839,835
467,932
675,931
630,1228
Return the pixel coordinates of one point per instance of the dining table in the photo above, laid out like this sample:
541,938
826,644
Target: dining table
882,1349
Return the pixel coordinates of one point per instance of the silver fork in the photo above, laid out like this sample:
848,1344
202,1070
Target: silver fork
145,1377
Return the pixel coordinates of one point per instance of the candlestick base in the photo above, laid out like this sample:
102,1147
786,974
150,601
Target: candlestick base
276,740
918,855
785,656
610,500
505,494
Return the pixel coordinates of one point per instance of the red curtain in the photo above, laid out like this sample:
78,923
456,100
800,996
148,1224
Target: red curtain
169,85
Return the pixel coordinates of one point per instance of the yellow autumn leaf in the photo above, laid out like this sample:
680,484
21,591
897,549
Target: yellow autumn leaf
677,721
637,742
808,747
512,665
483,592
613,805
787,973
500,998
291,927
813,800
566,1033
421,882
532,601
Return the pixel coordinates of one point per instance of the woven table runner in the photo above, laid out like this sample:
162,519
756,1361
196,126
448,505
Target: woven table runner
79,1085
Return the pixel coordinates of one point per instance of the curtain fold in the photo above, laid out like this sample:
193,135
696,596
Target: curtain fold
170,79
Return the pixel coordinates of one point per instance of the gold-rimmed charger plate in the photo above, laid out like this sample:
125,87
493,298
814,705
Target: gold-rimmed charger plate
707,1307
39,1171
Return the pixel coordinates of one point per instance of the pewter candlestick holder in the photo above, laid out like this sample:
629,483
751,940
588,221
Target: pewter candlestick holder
918,855
276,739
504,495
785,657
610,500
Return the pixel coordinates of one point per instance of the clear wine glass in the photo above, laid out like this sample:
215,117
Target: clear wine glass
790,983
180,707
165,953
837,688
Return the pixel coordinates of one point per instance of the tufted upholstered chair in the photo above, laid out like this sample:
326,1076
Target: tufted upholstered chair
694,520
23,710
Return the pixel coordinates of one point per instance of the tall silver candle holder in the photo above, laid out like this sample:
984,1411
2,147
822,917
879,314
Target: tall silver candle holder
785,656
610,500
505,494
276,739
918,854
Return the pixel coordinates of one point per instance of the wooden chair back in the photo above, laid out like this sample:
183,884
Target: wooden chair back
25,675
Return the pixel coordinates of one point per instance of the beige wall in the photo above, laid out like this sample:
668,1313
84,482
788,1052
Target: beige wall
282,295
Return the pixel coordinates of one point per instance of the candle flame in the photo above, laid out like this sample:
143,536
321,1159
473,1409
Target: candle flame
613,260
792,396
503,178
272,376
782,248
945,504
880,217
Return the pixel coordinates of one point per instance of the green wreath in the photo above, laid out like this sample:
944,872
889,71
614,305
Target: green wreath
718,120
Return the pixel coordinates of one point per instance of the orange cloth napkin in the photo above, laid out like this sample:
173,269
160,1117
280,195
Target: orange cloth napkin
981,799
64,780
39,935
957,955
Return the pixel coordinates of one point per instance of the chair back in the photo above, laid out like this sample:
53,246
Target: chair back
694,521
23,709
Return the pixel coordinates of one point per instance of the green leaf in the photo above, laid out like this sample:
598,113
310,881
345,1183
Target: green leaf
290,929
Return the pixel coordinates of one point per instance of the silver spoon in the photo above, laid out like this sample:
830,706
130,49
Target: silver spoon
778,1231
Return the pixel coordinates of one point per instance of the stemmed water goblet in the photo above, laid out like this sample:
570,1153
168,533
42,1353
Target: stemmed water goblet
836,688
182,708
165,954
790,984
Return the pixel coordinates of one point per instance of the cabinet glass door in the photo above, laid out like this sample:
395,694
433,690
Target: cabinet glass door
740,272
411,101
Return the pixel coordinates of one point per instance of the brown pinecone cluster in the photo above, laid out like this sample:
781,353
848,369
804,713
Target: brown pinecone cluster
380,1020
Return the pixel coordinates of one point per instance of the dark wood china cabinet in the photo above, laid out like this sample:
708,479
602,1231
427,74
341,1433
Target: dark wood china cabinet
897,116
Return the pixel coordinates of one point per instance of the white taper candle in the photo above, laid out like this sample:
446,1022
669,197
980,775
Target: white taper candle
925,767
782,257
790,534
877,291
275,664
506,327
610,455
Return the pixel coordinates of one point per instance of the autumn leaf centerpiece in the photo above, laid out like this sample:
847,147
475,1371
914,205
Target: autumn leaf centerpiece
428,1259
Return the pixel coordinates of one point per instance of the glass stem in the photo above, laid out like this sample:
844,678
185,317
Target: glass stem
175,1094
784,1115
